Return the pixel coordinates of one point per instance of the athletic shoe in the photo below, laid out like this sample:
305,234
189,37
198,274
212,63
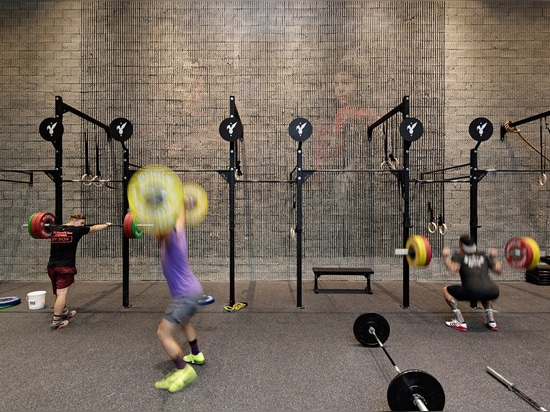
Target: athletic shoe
182,378
167,381
59,325
492,325
455,324
197,359
68,315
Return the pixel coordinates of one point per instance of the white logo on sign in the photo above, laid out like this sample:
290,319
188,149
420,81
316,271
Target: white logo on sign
231,127
481,128
300,128
51,128
120,128
411,128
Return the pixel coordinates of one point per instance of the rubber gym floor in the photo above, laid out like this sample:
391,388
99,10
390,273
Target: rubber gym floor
271,355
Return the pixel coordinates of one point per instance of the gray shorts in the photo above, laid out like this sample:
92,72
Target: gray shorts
180,308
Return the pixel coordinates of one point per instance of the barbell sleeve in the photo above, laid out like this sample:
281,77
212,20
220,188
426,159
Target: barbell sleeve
419,403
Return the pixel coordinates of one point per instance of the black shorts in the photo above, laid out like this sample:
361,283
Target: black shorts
459,292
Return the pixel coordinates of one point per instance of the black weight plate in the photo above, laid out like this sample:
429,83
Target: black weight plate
362,325
51,129
300,129
410,382
411,129
231,129
481,129
121,129
9,301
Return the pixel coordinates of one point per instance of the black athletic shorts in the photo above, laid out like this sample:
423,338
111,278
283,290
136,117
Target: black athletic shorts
459,292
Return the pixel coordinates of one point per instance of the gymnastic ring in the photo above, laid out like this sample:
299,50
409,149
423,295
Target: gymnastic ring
442,229
432,227
155,196
87,180
542,179
97,181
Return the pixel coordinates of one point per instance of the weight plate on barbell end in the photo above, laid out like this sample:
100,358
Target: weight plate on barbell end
428,250
29,225
121,129
536,252
155,196
51,129
420,251
206,300
481,129
520,252
405,385
196,203
41,225
411,129
300,129
362,325
231,129
130,228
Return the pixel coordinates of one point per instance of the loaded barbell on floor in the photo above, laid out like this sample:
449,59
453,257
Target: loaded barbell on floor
410,389
520,252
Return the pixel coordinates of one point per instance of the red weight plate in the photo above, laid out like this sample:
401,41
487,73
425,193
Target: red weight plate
428,250
127,226
518,253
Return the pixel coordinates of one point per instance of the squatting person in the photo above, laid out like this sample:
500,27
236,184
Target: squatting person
476,284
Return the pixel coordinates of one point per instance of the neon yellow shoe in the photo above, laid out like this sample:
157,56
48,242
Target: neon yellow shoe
197,359
182,378
167,381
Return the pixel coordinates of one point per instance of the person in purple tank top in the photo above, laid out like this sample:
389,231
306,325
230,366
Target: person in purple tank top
185,290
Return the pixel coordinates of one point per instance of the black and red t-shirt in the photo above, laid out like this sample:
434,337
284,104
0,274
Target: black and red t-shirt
64,242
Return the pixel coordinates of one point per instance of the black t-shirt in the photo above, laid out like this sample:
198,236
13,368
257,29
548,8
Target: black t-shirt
474,270
63,245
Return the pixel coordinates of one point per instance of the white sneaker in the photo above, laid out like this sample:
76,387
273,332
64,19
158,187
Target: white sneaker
455,324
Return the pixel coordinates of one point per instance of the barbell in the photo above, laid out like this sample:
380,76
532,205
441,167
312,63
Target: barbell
520,252
410,389
39,225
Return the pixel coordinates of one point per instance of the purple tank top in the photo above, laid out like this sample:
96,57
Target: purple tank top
175,265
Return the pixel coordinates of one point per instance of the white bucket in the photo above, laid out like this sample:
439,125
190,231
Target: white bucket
36,300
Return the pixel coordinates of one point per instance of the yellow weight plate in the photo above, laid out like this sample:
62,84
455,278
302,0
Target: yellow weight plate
536,252
416,245
196,203
155,196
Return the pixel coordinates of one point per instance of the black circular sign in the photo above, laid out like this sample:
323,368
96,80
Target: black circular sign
411,129
300,129
231,129
481,129
121,129
51,129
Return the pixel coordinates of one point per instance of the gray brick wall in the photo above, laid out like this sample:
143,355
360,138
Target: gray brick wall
170,67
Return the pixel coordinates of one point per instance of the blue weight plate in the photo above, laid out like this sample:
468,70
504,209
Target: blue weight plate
9,301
